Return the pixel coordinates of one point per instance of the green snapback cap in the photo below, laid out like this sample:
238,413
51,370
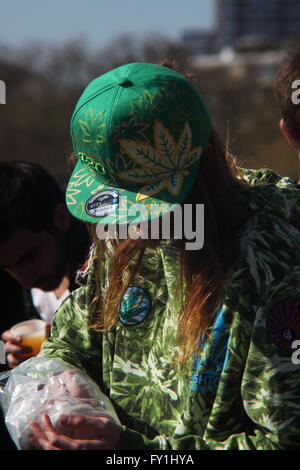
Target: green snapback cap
138,132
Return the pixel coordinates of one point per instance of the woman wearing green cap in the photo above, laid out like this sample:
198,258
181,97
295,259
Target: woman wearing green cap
196,349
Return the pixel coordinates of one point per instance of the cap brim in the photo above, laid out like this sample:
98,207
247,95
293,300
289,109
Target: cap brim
119,206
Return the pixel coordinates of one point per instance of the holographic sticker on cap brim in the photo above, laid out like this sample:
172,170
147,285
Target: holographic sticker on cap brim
103,203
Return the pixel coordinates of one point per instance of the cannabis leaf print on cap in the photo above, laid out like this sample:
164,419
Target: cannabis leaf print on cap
162,166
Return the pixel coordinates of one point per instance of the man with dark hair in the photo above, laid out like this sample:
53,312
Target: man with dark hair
41,245
287,89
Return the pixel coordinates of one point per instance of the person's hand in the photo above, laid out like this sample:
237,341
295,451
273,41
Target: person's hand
15,353
77,432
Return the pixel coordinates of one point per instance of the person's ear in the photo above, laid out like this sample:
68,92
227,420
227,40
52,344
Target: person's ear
286,134
62,217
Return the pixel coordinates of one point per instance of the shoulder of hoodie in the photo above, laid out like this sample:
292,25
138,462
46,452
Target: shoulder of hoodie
268,247
279,201
270,239
272,193
266,175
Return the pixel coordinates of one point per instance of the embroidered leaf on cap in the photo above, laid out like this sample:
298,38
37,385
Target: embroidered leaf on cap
92,128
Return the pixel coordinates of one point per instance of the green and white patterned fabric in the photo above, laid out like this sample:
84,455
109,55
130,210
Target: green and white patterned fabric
244,392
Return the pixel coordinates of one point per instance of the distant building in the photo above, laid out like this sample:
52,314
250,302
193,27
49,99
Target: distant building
262,66
257,24
200,42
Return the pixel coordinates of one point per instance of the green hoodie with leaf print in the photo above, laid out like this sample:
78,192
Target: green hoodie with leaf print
244,390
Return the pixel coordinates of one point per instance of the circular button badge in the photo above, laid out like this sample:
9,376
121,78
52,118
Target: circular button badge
135,306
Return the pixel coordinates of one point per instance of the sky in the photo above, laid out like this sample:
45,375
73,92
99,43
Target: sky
99,22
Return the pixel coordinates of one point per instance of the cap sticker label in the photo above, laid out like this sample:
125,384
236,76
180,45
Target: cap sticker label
103,203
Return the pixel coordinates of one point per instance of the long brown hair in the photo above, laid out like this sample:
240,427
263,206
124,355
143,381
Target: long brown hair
203,271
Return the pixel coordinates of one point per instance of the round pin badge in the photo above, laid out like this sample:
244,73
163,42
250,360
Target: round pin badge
135,306
103,203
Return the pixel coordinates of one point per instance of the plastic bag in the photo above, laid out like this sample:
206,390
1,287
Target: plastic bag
4,376
41,385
